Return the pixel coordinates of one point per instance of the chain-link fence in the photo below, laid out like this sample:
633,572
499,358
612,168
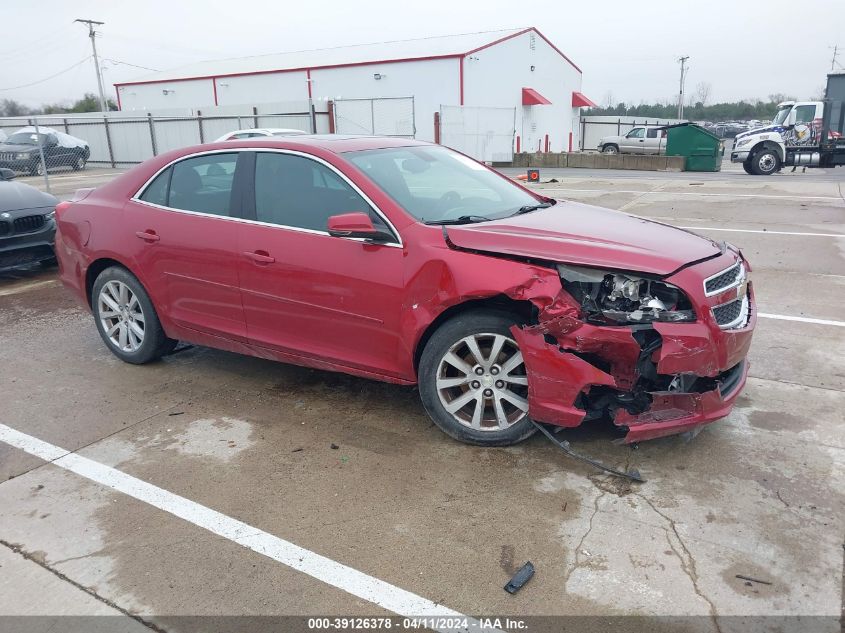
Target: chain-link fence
127,138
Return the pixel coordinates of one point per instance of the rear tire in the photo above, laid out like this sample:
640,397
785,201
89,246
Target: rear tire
487,397
126,318
765,162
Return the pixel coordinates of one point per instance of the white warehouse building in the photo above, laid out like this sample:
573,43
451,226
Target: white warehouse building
518,69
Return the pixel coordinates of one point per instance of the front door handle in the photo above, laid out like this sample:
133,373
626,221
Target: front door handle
260,257
148,235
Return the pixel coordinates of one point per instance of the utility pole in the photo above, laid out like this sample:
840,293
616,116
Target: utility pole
833,61
92,34
683,61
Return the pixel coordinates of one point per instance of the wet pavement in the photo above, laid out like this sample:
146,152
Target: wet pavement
759,494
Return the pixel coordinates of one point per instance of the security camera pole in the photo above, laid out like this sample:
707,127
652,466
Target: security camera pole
92,34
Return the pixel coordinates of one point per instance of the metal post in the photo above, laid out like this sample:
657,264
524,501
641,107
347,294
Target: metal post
372,116
199,123
313,116
437,127
330,109
255,116
152,133
41,155
108,140
67,130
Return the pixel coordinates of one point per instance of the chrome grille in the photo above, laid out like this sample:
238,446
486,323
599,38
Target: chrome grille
728,278
732,314
29,223
7,156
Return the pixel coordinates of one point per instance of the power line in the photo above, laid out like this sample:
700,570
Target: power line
117,61
41,81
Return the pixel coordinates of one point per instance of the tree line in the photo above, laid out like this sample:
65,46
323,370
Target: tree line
698,111
88,103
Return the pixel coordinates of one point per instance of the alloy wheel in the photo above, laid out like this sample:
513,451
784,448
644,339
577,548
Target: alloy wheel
121,316
481,382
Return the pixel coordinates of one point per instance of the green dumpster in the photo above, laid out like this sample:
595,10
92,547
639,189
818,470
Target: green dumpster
703,151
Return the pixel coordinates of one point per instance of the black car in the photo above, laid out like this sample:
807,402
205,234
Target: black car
27,224
20,152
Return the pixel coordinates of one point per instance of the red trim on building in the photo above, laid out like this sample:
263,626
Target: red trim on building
580,101
290,70
517,144
308,81
461,77
349,65
531,97
523,32
214,85
547,143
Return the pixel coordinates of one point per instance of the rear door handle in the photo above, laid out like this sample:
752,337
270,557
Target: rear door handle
260,257
148,235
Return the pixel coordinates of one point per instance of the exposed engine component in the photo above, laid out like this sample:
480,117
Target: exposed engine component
623,299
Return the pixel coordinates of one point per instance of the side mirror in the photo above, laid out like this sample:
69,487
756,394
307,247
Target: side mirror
6,174
356,224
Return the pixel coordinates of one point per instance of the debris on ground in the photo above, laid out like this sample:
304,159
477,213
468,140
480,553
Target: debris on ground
176,413
750,579
297,450
522,576
632,474
334,447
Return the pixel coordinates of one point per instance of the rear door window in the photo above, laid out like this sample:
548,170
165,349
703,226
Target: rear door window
203,184
156,191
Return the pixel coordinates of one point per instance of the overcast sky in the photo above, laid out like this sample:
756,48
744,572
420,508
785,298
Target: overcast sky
743,48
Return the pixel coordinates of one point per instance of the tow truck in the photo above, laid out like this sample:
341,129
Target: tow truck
802,134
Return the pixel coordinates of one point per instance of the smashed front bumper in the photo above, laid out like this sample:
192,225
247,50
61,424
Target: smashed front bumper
651,380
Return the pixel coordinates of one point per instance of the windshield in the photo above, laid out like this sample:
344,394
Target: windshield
780,117
25,138
435,184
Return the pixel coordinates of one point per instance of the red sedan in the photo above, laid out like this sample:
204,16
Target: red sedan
407,262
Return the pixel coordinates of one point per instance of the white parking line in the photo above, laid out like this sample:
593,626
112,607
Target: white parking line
331,572
710,228
25,287
693,193
784,317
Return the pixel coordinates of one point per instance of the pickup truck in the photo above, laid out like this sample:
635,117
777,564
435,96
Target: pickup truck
640,140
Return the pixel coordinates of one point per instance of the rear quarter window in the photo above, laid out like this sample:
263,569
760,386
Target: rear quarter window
156,191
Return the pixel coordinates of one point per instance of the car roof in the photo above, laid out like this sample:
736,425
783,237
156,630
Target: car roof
335,143
271,130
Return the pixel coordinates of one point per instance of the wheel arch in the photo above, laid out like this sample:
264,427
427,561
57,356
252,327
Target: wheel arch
523,310
771,145
95,268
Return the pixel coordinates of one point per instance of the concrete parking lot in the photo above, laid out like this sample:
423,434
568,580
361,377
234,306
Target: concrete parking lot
355,472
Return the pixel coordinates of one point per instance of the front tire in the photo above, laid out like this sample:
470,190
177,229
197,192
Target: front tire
126,319
747,167
765,162
610,149
472,380
78,163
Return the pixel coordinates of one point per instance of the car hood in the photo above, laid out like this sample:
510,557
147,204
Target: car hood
7,147
761,130
17,195
576,233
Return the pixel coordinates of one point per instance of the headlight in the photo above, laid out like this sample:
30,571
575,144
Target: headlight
22,156
622,299
49,216
743,141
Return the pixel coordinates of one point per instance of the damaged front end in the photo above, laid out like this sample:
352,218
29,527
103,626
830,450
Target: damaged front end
637,349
